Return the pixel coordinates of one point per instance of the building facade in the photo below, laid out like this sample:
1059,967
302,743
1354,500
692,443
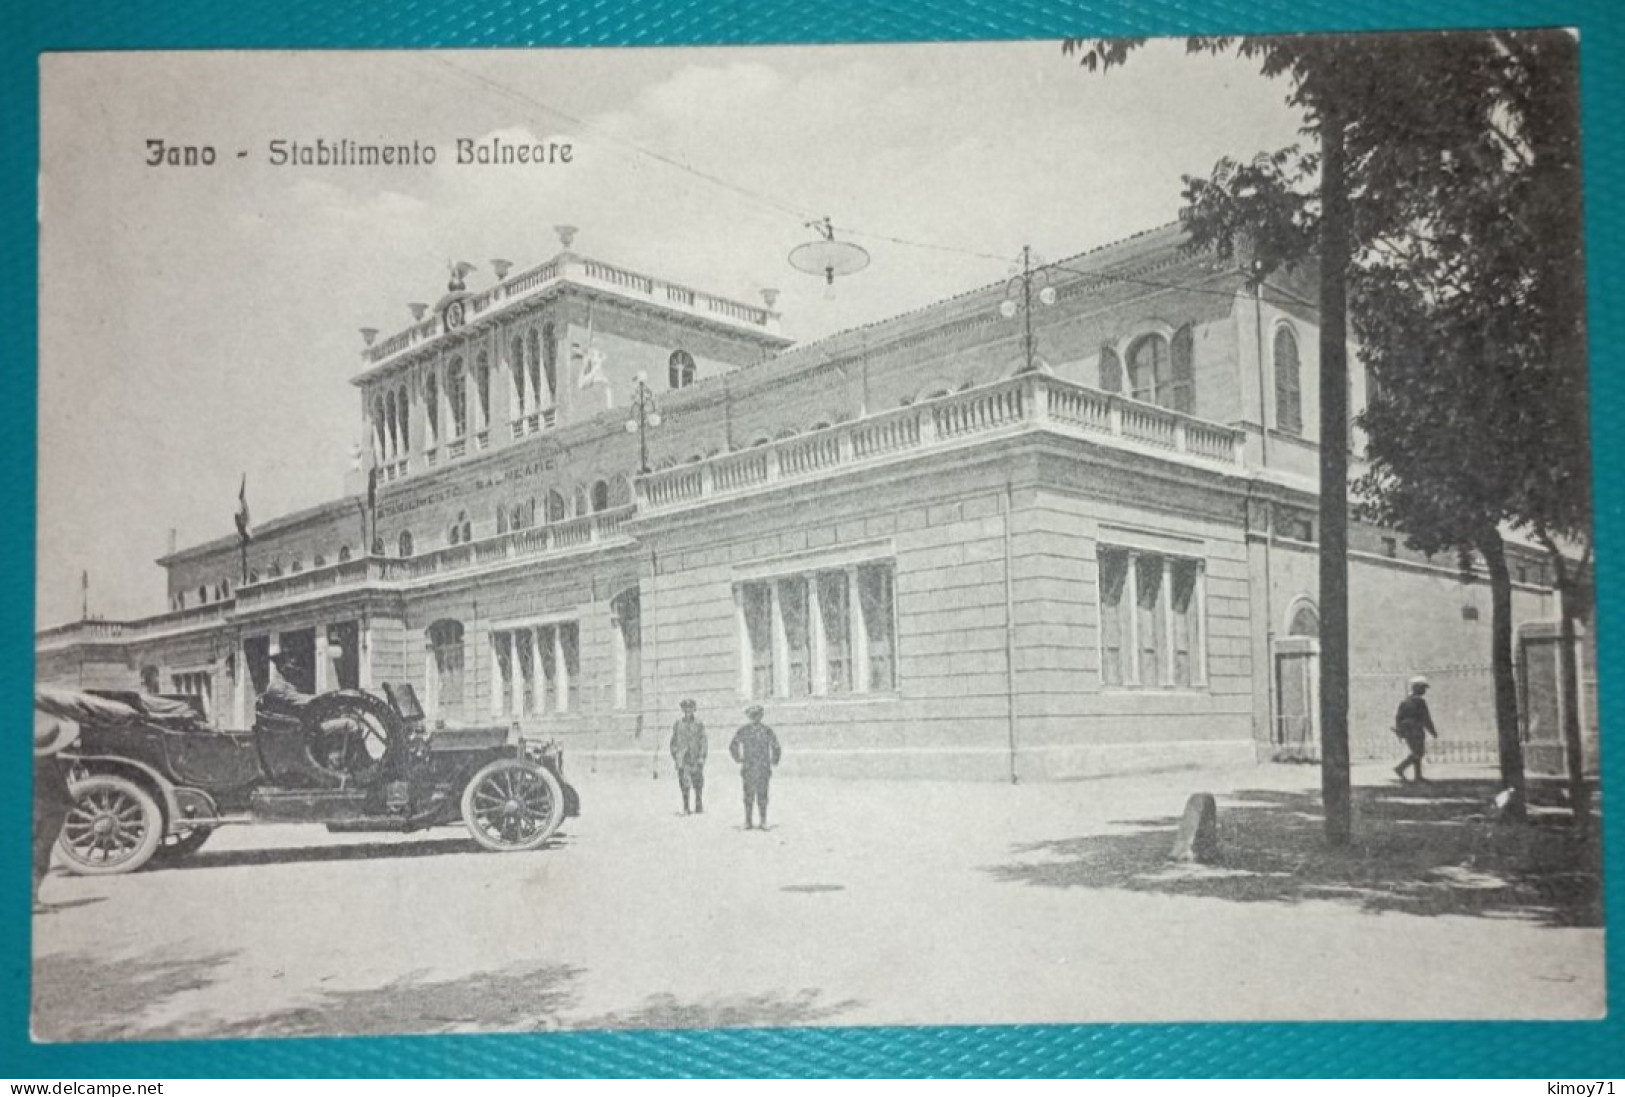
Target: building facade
929,546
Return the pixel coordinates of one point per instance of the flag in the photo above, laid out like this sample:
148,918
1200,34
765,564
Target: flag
242,510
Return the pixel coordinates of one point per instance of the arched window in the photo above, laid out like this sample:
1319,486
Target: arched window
533,365
457,397
1180,393
482,390
1288,390
582,504
600,496
762,441
225,588
297,567
344,553
404,544
680,369
446,667
550,359
276,568
253,575
517,519
320,561
431,407
380,429
502,519
516,368
1148,367
377,546
203,594
620,491
454,536
404,407
555,507
392,421
1305,621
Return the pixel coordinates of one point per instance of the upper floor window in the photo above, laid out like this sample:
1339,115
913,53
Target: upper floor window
1288,383
680,369
344,553
457,397
1161,372
600,496
482,390
406,420
431,407
203,593
1111,370
404,544
550,358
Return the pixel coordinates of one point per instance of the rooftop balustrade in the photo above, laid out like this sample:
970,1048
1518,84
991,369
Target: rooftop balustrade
1028,402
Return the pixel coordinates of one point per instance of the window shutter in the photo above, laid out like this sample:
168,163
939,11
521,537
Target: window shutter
1111,370
1183,395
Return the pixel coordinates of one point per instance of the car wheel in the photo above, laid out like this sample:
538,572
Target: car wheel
176,846
513,805
114,826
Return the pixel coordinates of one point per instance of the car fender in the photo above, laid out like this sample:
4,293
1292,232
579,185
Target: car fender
145,774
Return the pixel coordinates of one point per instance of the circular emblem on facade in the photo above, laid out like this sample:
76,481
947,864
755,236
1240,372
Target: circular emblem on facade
454,315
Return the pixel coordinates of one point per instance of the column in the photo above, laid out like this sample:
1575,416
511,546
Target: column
1199,639
320,658
538,678
746,652
519,644
1131,594
620,663
239,691
860,633
817,641
781,645
499,688
1168,623
561,672
431,684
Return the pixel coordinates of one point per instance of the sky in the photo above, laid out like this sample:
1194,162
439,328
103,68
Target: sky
201,324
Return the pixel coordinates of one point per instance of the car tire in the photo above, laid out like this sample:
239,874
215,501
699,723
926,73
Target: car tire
178,845
350,737
512,805
114,826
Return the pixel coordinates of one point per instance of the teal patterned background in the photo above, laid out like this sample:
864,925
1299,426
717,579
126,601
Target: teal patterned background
1566,1050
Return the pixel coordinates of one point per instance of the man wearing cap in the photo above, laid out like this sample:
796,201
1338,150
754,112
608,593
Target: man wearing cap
52,800
1414,723
688,755
756,749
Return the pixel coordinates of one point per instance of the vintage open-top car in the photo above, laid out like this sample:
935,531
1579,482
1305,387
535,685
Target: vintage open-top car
150,778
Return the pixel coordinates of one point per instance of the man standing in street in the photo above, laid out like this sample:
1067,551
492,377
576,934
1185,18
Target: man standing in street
756,749
52,800
1414,723
688,755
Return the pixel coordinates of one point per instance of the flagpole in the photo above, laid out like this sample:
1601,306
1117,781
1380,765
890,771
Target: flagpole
84,596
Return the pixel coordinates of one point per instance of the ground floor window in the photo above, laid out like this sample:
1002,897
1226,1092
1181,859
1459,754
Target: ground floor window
831,631
535,668
199,684
1150,619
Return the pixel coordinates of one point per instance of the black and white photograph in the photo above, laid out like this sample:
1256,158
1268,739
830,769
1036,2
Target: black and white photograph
1026,532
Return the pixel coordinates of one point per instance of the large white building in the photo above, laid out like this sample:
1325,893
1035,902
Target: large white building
920,556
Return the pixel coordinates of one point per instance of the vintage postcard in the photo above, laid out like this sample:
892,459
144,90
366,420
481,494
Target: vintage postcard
1025,532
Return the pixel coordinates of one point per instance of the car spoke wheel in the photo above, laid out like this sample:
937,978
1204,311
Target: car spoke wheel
114,826
513,804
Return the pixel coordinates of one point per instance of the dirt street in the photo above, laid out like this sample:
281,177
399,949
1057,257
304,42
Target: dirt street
866,903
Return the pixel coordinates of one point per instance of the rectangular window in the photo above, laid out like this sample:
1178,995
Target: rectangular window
835,609
1113,626
828,632
797,635
757,601
1150,623
1150,620
536,668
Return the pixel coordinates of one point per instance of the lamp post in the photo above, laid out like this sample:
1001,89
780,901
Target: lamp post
1018,297
644,416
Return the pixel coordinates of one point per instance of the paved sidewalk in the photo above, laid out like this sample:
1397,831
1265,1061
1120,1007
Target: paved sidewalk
867,903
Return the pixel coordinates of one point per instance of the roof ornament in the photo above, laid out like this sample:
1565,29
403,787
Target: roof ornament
828,256
459,276
418,309
368,335
567,234
502,267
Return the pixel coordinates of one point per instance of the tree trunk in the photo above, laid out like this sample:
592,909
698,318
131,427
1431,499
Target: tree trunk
1568,670
1334,480
1507,737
